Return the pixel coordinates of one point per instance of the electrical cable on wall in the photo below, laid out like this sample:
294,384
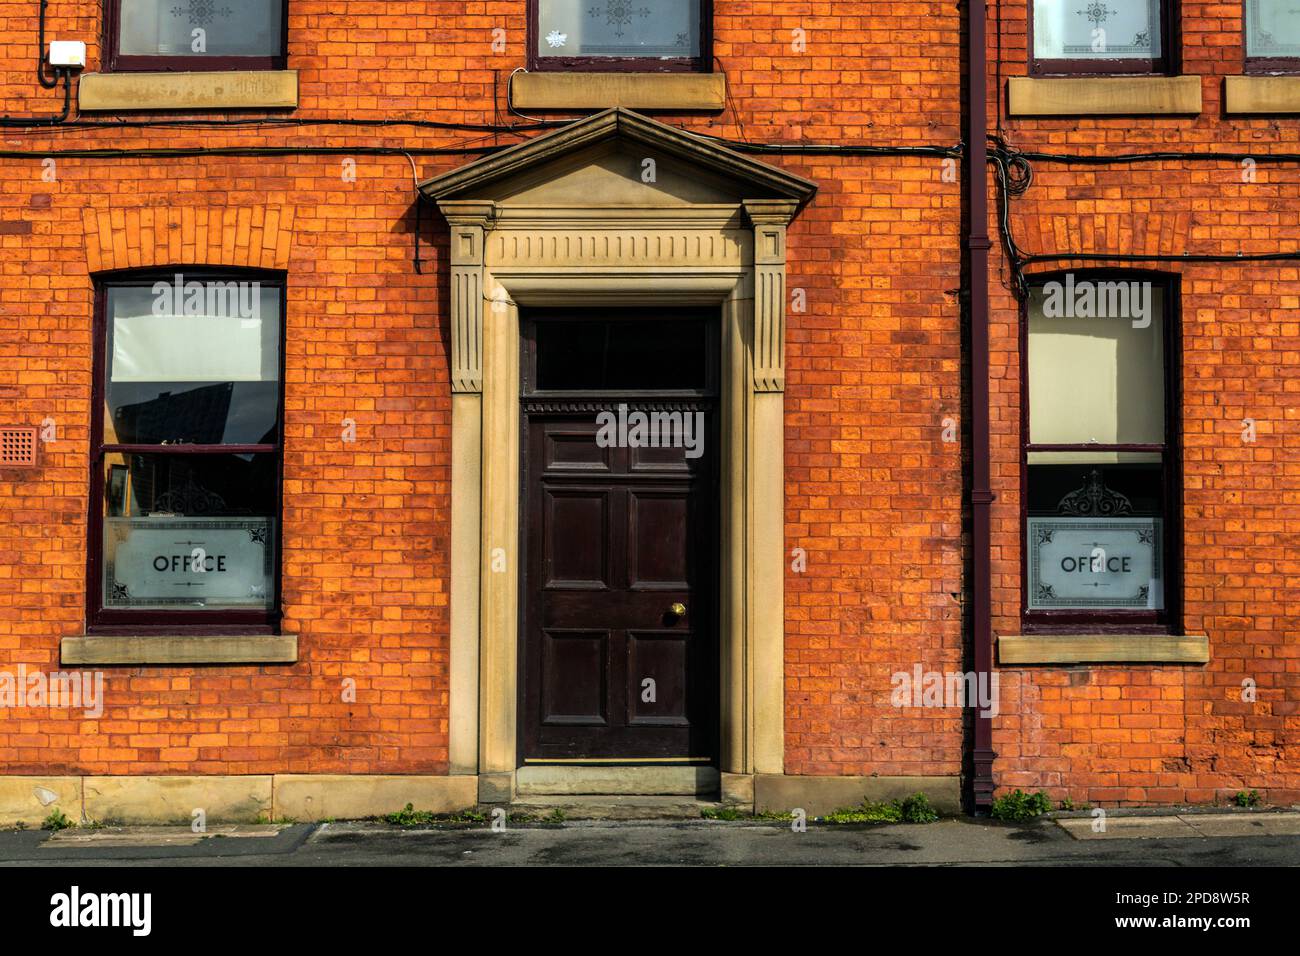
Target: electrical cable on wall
294,121
1014,174
60,73
47,83
1013,168
15,122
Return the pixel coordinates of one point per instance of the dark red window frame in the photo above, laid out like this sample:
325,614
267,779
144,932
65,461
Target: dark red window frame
1262,64
1115,621
622,64
115,62
101,620
1164,65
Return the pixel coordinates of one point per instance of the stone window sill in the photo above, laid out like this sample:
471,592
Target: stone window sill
1103,649
1261,94
233,90
112,649
637,91
1104,95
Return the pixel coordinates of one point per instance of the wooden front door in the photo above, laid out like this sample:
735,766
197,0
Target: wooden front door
620,586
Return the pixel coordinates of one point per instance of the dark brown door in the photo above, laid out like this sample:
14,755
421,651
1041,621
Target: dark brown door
620,584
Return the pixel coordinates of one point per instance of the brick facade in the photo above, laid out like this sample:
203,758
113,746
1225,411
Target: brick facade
874,368
1134,734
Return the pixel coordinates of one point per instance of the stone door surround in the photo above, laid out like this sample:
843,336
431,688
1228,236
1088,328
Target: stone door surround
616,209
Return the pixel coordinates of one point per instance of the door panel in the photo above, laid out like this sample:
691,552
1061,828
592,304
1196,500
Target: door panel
577,537
664,658
574,449
574,678
658,539
659,460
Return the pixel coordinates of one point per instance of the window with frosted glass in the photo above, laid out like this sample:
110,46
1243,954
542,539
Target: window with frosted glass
1070,30
1273,29
1097,451
665,30
188,451
225,32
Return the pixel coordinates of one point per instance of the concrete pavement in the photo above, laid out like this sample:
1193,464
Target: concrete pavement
1178,839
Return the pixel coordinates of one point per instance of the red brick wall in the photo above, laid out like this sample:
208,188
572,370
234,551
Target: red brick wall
873,369
873,494
1128,734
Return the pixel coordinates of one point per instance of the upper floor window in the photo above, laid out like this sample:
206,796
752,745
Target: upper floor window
1083,36
186,451
1272,36
1101,477
632,35
196,34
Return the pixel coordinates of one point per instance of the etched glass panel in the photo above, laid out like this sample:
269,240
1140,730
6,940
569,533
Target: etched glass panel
1273,28
1093,30
197,28
1095,536
189,532
619,28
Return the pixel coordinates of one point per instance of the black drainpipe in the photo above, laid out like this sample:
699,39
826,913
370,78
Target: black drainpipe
977,244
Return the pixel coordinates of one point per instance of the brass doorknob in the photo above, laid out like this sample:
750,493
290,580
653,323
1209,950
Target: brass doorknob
677,610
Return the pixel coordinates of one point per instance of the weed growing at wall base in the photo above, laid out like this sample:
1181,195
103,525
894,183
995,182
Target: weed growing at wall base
1019,806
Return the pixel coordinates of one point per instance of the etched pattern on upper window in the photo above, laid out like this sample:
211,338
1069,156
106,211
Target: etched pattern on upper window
1078,30
1273,29
667,29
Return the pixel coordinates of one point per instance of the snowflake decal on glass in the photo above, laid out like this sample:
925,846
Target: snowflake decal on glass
557,39
619,14
201,12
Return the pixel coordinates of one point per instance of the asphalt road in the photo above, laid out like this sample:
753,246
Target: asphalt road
959,842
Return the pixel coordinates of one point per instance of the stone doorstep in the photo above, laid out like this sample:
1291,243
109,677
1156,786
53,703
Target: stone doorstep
138,836
544,780
1186,826
614,807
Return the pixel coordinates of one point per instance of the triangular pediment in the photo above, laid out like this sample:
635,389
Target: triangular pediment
618,158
